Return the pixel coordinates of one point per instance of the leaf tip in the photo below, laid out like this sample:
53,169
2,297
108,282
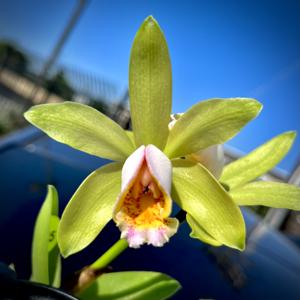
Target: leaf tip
67,246
150,23
292,134
62,249
51,188
289,138
32,114
240,243
150,20
27,115
177,285
241,246
258,106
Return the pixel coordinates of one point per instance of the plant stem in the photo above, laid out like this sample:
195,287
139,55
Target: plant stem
114,251
87,275
117,248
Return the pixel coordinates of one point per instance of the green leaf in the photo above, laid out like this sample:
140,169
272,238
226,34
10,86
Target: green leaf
55,267
198,193
90,209
150,85
272,194
259,161
139,285
83,128
199,233
45,255
54,254
208,123
53,225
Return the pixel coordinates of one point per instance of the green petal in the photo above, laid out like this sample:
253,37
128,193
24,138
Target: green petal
139,285
198,193
272,194
45,258
209,123
259,161
199,233
130,136
82,127
90,209
150,85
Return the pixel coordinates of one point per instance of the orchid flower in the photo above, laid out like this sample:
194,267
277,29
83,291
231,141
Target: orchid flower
150,173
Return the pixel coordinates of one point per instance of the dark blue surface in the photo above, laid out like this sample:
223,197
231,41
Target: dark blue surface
268,269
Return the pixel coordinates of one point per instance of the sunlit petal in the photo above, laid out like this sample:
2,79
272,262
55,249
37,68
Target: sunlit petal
208,123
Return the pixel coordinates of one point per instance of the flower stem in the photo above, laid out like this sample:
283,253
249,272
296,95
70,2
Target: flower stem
117,248
87,275
114,251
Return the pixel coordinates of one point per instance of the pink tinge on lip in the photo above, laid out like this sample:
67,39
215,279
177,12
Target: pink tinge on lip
144,205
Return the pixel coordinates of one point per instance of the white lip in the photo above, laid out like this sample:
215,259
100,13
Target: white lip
159,170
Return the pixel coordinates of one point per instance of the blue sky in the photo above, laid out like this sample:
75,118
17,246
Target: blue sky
218,49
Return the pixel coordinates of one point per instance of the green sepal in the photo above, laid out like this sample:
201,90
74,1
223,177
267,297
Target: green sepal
83,128
130,136
90,209
133,285
45,257
199,233
208,123
266,193
198,193
150,85
259,161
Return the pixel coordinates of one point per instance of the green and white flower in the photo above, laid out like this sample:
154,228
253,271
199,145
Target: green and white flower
138,189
